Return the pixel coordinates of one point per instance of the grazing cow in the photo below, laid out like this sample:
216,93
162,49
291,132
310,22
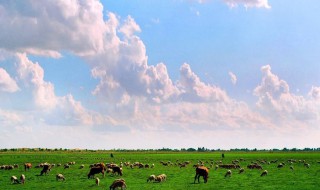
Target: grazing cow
264,173
95,170
60,177
66,166
14,179
117,169
151,178
27,166
161,178
201,171
118,183
280,165
22,178
45,170
228,173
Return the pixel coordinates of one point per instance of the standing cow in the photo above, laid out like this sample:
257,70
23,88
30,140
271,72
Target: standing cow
201,171
96,170
27,166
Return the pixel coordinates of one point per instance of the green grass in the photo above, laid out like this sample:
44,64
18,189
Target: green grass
177,178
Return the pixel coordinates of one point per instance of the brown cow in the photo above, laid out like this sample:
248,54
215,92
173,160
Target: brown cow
27,166
118,183
117,169
201,171
96,170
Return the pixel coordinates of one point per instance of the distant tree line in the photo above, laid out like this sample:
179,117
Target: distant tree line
199,149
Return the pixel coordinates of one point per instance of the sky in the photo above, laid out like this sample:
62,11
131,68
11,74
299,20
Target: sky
150,74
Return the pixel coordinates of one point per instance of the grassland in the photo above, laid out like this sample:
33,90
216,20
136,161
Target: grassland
301,178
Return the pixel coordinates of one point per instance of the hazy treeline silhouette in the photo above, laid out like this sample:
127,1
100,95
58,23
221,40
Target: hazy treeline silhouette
199,149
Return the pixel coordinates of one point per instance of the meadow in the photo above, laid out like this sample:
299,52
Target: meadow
301,178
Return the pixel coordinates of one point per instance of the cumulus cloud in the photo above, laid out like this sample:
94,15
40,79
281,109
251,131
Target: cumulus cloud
31,75
271,84
7,84
315,93
129,27
233,78
123,70
283,107
194,90
38,101
48,27
248,3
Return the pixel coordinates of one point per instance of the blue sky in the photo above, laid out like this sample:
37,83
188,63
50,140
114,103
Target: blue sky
157,72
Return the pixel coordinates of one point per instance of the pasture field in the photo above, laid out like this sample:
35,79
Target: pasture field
301,178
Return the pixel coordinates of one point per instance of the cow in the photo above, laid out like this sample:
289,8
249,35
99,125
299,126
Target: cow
14,179
201,171
60,177
23,178
118,183
96,170
27,166
45,170
117,169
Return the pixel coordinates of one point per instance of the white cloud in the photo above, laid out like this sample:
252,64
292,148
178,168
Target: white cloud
194,90
284,108
123,70
31,75
47,27
315,93
271,84
10,118
248,3
129,27
233,78
7,84
39,103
